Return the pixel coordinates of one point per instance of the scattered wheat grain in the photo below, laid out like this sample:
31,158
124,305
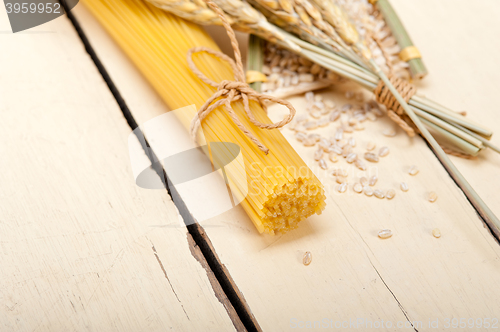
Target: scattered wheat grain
334,116
363,181
333,157
436,233
315,137
378,193
370,146
384,151
341,188
385,234
390,194
413,170
351,157
323,122
341,179
432,197
310,125
318,154
389,132
360,164
307,259
371,157
301,137
309,142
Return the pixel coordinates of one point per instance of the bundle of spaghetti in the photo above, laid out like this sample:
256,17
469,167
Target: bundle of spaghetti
282,190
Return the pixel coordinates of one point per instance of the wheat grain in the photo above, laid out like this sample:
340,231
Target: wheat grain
346,150
390,194
315,137
316,114
309,142
371,157
240,15
324,144
341,188
307,259
351,157
333,157
370,146
330,104
301,137
389,132
195,11
334,116
385,234
436,233
413,170
384,151
339,134
363,181
371,116
336,149
348,129
318,154
302,19
378,193
360,164
310,125
358,188
338,19
359,127
322,163
346,108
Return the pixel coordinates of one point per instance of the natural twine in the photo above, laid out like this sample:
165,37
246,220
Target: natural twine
229,91
394,110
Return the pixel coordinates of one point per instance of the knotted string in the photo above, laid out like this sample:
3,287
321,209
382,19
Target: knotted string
229,91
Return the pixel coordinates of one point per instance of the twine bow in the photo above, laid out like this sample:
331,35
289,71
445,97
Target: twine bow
229,91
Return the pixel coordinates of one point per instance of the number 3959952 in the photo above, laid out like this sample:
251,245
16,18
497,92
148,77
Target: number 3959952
32,8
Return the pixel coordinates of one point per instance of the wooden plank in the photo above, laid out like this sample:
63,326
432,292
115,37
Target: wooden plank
82,247
412,278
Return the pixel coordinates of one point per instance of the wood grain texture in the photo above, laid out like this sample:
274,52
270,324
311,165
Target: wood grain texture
82,248
408,279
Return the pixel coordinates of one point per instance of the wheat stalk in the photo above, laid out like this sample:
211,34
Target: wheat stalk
286,13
